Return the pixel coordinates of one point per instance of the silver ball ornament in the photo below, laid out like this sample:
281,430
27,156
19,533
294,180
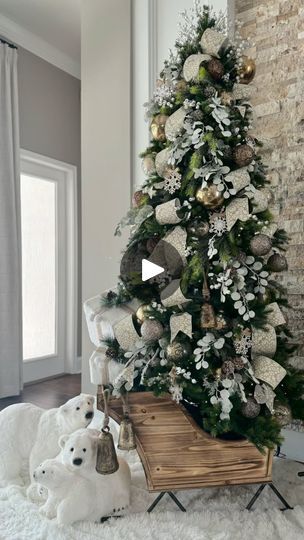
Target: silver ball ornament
148,165
260,244
283,415
251,408
277,263
151,330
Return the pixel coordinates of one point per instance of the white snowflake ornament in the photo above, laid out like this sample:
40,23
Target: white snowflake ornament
172,181
218,224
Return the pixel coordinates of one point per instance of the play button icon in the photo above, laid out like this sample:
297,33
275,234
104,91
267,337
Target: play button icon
150,270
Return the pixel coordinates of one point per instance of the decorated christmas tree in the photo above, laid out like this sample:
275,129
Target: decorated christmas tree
211,329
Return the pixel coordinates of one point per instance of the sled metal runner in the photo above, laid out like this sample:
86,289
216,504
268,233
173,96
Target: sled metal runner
177,455
248,507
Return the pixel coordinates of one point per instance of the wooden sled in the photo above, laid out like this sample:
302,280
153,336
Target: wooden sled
178,455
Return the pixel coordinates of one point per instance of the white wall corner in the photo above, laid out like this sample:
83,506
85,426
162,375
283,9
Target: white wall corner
77,365
38,46
153,45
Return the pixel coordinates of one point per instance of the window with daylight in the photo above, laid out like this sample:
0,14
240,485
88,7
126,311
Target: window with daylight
39,263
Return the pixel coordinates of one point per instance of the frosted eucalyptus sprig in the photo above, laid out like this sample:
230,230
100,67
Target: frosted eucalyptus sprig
256,273
220,114
207,343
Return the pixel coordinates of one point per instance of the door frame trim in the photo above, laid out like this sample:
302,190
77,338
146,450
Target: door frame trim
71,363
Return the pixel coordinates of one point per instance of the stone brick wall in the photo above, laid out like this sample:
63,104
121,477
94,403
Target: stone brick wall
276,29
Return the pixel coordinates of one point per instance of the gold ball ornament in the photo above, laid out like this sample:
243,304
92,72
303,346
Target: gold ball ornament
158,127
243,155
247,70
199,229
177,351
142,312
209,196
277,263
260,244
282,414
216,69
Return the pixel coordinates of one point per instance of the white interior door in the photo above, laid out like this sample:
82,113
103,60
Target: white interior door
48,219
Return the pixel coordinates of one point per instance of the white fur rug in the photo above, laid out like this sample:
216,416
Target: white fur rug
212,514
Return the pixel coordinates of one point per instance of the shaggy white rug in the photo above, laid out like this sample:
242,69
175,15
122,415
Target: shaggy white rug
212,514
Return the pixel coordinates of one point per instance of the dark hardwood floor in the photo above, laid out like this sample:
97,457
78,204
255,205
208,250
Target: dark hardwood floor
47,394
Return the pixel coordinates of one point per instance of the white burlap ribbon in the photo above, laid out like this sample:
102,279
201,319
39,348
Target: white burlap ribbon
212,41
192,65
174,124
181,322
237,210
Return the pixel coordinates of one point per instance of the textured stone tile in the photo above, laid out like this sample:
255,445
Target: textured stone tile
276,28
265,109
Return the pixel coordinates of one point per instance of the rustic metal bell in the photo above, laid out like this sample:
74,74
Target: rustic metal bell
126,439
106,461
208,319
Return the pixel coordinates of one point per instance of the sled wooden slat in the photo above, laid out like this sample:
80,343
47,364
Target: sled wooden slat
177,454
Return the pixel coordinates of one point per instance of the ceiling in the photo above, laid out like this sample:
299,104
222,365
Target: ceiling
56,22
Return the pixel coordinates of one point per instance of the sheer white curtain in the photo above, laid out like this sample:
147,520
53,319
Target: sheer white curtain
10,231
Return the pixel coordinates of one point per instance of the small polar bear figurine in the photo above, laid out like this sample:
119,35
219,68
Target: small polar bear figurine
78,455
71,497
30,434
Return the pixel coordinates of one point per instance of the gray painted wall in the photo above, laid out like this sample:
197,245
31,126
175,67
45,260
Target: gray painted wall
49,103
106,152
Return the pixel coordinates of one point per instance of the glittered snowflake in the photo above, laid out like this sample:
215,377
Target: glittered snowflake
218,224
243,343
172,181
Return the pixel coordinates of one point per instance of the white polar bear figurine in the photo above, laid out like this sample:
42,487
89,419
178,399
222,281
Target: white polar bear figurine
71,497
78,454
30,434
